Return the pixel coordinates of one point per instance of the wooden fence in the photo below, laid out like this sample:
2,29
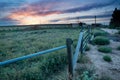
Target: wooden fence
83,39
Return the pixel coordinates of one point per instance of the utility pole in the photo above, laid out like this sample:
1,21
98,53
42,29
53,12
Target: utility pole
95,20
78,20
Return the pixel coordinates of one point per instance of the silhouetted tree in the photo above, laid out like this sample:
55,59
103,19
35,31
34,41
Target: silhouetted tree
115,20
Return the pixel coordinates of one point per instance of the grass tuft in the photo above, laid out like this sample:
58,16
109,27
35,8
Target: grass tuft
83,59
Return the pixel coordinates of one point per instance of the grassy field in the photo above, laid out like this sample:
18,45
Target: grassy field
19,43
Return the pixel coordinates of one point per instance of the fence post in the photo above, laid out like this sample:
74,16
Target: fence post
81,48
81,29
70,56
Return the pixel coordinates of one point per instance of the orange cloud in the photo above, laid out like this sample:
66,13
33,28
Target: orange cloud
27,18
32,15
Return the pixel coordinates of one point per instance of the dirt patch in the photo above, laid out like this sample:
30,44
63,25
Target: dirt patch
114,37
103,68
110,31
112,34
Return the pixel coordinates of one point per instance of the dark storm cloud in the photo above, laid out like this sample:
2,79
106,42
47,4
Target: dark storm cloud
92,16
89,7
8,21
5,23
46,7
40,8
5,19
10,5
57,20
83,17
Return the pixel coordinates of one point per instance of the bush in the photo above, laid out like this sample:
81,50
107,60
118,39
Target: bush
99,33
100,40
119,32
118,48
87,48
107,58
105,49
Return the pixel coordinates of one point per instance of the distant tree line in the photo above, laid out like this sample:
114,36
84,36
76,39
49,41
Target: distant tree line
115,20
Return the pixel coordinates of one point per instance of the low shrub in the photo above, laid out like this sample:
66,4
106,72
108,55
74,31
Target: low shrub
118,48
87,48
99,33
107,58
101,40
119,32
105,49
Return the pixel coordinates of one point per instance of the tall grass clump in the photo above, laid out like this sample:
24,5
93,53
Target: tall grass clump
83,59
53,64
86,72
101,40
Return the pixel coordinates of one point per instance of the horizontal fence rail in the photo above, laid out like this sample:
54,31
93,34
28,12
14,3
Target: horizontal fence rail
75,56
31,55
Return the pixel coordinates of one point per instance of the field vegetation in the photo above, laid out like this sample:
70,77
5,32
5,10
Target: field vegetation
19,43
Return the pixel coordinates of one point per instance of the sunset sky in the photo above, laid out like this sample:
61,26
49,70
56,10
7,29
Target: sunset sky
26,12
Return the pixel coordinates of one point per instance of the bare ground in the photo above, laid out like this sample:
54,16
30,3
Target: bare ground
103,68
110,31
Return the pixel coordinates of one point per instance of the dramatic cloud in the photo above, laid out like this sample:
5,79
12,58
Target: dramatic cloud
83,17
40,11
44,9
33,13
10,5
89,7
8,21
